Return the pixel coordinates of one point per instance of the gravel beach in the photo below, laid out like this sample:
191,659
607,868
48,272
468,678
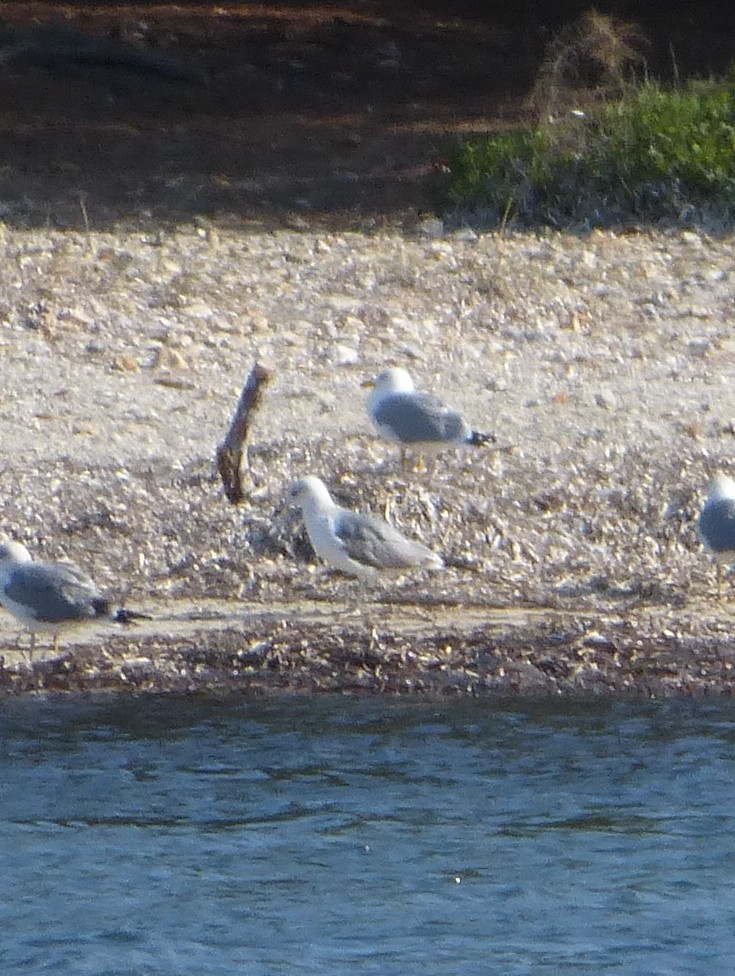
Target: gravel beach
603,363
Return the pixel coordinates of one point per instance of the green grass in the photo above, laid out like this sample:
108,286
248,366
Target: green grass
658,153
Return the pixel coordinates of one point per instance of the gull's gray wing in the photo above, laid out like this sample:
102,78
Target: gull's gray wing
717,525
373,542
54,593
414,418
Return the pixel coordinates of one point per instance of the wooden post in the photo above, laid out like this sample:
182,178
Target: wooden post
230,451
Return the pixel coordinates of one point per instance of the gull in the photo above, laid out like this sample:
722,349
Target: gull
404,415
361,545
51,596
717,524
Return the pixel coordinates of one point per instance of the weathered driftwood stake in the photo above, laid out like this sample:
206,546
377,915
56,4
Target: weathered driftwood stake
230,451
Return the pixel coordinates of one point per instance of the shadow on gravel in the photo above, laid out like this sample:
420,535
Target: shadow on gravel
265,113
250,113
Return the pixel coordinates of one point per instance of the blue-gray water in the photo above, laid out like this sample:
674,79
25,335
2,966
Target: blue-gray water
343,836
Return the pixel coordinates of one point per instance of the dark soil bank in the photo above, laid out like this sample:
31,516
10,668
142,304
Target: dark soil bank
278,112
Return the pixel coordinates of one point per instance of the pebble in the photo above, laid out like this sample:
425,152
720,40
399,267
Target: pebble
125,364
605,400
430,227
343,355
197,310
168,358
464,234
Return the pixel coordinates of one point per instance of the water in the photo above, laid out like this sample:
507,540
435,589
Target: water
365,837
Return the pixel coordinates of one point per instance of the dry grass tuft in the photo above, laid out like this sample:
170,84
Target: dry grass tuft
590,60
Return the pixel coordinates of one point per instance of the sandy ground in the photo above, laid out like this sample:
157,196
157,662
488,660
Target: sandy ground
603,363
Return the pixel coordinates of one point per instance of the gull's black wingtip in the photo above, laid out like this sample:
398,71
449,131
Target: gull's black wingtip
478,439
123,616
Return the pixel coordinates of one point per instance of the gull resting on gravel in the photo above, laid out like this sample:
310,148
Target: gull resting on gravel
51,596
717,524
361,545
412,419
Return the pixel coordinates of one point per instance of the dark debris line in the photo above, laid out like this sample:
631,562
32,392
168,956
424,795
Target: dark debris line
323,659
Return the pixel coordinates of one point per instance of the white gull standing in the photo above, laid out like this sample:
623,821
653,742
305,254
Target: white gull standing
361,545
410,418
51,596
717,524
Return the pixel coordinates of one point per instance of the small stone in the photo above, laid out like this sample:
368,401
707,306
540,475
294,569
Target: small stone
294,222
125,364
589,259
168,358
605,401
431,227
197,310
412,352
180,341
353,325
85,429
174,382
255,323
76,315
343,355
464,234
699,347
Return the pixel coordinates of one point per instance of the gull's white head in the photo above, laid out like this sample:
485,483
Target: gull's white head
393,380
14,554
721,488
310,492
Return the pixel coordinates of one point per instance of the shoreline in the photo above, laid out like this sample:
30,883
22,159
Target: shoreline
602,363
526,653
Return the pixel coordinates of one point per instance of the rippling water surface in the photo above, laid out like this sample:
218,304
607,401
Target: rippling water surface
365,837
